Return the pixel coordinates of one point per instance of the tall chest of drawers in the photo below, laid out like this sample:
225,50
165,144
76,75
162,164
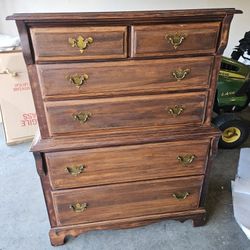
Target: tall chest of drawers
124,103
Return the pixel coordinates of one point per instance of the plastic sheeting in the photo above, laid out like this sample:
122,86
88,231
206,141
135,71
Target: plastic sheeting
8,42
241,192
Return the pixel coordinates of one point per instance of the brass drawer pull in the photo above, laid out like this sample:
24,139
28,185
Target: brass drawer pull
175,39
186,159
75,170
9,72
176,110
79,207
82,117
77,80
80,42
179,74
181,195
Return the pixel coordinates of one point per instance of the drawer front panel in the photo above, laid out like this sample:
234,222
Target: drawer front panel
67,43
81,168
109,78
83,116
126,200
174,39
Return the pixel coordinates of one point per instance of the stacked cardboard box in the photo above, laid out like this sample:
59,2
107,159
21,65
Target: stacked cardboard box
17,107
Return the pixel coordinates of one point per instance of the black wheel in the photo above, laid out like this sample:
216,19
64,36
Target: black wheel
216,107
234,130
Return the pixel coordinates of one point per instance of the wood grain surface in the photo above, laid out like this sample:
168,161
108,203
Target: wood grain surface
53,43
124,77
123,137
58,234
126,163
149,16
151,40
126,200
129,146
125,112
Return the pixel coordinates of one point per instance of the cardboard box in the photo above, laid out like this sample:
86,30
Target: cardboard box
17,107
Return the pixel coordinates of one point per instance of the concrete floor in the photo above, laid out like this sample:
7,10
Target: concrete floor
24,224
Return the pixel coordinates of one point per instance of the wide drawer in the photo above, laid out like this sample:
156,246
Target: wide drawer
82,116
116,201
174,39
110,78
80,168
79,43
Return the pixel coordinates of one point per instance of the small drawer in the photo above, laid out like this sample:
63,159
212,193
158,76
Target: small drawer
81,168
174,39
109,202
83,116
121,78
79,43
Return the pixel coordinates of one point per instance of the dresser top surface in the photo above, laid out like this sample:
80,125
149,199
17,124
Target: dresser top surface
124,15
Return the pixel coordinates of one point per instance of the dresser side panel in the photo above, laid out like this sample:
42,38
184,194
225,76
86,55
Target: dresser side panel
38,101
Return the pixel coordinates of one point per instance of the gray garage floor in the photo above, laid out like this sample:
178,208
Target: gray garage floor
24,223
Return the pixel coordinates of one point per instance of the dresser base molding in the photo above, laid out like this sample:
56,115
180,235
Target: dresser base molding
58,235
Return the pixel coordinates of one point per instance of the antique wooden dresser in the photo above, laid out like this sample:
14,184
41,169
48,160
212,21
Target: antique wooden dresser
124,103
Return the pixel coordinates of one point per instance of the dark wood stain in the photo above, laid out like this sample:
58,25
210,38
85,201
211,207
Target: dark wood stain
124,112
53,43
112,164
126,200
124,77
130,144
151,40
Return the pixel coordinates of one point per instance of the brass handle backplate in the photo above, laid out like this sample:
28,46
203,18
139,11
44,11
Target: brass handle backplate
82,117
181,195
175,39
186,160
176,110
79,207
75,170
9,72
80,42
77,79
179,74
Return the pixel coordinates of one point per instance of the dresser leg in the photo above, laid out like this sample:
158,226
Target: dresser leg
56,238
199,220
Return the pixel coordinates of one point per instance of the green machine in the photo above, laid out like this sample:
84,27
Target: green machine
233,95
233,89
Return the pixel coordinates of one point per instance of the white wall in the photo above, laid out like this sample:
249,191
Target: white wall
240,24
